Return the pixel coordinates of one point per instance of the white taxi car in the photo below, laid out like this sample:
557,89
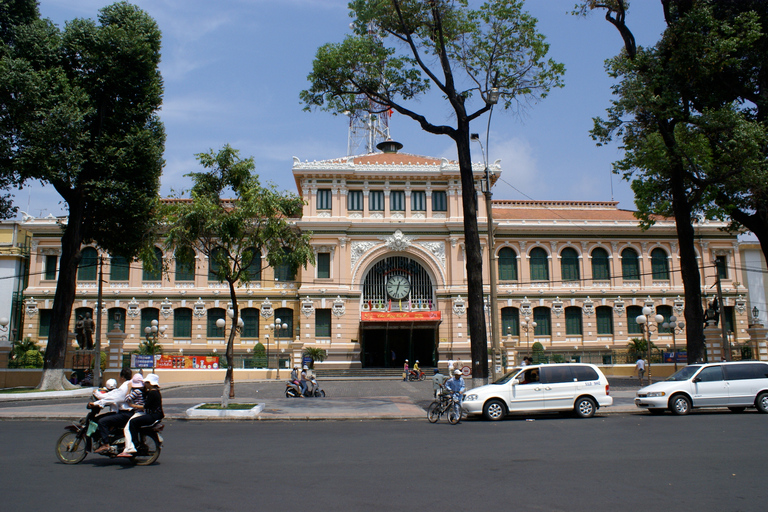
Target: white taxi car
581,388
736,385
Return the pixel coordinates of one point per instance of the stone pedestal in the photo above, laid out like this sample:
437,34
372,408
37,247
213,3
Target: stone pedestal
509,346
114,352
69,352
758,336
5,354
713,339
296,347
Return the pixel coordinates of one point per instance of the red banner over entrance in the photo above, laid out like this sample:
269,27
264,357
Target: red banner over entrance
400,316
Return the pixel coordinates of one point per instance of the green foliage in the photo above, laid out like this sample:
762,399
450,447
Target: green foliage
316,354
150,347
80,113
25,354
259,350
103,364
638,347
537,353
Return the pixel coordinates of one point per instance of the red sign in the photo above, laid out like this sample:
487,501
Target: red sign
188,362
400,316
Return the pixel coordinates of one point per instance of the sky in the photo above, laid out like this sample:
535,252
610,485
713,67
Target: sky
233,71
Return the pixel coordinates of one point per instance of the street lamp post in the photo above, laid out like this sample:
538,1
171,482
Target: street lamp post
528,325
275,328
645,319
673,327
152,332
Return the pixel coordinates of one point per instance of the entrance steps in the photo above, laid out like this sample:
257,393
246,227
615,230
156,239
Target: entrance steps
365,373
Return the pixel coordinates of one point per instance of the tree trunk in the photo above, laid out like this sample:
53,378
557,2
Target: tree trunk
55,351
475,312
694,314
229,378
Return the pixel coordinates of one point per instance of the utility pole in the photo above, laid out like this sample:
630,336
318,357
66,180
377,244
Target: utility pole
97,341
721,306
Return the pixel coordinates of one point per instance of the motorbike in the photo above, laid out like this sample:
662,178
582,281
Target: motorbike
293,390
77,441
413,375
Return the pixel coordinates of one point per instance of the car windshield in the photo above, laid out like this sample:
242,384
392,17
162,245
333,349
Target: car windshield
685,373
508,376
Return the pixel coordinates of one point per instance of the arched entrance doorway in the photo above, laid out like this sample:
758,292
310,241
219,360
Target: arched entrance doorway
400,318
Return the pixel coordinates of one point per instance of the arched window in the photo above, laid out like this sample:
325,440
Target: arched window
153,269
250,318
86,270
216,259
507,264
213,315
573,321
252,263
116,319
543,319
604,319
285,271
182,323
185,264
118,269
666,312
630,266
632,326
147,315
539,262
601,270
659,265
569,264
510,322
286,317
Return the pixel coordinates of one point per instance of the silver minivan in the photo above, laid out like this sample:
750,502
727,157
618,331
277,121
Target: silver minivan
736,385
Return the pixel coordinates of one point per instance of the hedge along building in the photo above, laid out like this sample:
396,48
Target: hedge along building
390,278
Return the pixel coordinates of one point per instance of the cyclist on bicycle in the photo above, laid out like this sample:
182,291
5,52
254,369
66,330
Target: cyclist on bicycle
456,387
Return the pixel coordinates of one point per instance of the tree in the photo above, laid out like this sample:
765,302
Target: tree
695,145
78,111
233,233
400,48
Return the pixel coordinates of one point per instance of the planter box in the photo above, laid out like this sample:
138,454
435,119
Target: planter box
243,414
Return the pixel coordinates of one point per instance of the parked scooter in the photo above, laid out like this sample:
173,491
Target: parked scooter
77,441
293,390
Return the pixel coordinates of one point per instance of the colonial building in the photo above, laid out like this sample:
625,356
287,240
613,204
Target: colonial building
390,278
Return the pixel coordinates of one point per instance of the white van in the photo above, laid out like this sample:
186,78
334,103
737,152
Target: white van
577,387
736,385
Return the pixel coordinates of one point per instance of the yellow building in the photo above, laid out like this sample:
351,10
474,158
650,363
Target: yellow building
390,279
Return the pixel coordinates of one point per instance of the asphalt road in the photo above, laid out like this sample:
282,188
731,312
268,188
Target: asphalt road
704,461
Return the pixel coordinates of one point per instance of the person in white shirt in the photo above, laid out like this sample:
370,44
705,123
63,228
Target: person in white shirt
640,366
120,412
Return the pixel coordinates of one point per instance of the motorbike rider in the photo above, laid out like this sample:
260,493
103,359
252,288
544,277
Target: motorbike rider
152,411
456,387
120,412
415,371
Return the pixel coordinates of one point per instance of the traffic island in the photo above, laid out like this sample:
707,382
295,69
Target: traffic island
233,411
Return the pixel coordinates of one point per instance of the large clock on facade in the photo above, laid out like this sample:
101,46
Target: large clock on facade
398,287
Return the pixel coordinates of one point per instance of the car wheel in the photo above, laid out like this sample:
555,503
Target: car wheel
585,407
761,402
680,405
737,409
656,412
494,410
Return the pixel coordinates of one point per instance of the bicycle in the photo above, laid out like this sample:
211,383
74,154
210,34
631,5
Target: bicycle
444,405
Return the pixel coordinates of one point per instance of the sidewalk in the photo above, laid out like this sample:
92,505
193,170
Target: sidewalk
347,400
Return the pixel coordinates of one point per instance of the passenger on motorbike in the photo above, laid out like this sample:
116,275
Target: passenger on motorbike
135,400
306,381
120,412
415,371
152,411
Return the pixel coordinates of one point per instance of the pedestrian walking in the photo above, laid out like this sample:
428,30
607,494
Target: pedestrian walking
640,367
405,370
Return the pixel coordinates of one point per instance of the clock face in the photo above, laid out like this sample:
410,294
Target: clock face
398,287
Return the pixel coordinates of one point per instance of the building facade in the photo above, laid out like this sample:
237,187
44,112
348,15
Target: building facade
390,281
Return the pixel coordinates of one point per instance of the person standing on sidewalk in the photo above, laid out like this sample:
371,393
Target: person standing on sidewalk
640,367
405,371
438,380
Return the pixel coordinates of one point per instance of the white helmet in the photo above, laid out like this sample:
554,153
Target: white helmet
111,384
457,372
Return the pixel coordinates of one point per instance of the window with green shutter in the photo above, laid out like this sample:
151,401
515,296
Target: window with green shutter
507,264
118,269
51,262
539,263
659,265
86,270
213,330
182,323
569,265
543,318
322,323
154,270
510,321
323,265
630,265
601,270
439,201
632,326
604,319
573,321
